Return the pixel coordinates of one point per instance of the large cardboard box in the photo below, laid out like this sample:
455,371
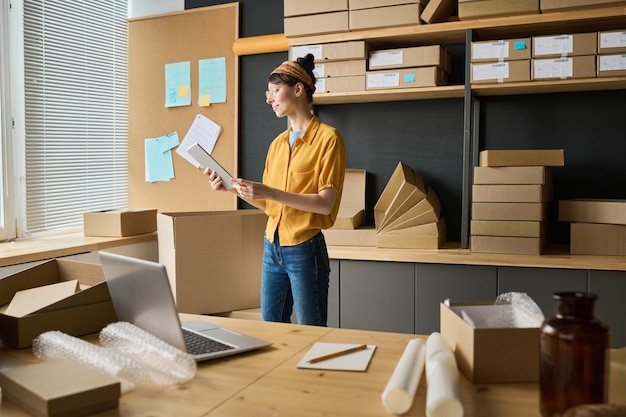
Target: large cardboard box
370,4
213,259
561,5
519,193
593,211
488,355
559,46
406,78
509,244
522,157
564,68
76,313
379,17
501,50
327,52
316,24
340,84
598,239
437,11
513,175
60,388
612,65
510,211
612,42
513,228
339,68
417,56
363,236
352,204
424,236
500,72
404,189
304,7
119,223
489,8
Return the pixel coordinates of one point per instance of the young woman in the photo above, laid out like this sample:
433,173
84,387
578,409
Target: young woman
300,193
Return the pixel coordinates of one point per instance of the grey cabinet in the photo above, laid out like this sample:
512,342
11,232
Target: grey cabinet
460,283
377,296
610,287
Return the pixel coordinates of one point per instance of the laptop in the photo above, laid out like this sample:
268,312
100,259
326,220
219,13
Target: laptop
141,295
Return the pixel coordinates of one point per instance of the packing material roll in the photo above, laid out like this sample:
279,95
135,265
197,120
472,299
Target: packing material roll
400,390
442,376
260,44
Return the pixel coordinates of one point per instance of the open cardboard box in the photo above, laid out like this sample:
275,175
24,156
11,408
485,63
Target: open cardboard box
494,354
352,205
119,223
78,304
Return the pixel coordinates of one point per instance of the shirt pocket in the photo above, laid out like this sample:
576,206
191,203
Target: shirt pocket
303,182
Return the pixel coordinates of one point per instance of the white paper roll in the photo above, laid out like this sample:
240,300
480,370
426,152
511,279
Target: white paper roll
442,376
400,390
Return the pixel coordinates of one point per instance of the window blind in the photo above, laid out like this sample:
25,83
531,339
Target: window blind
75,68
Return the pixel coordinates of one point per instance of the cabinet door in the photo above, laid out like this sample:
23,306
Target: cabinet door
459,283
377,296
333,294
610,287
541,283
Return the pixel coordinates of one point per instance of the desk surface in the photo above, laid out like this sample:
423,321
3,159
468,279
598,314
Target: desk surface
267,382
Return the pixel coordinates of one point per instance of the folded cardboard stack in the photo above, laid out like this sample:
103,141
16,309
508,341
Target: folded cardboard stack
612,53
510,195
598,226
476,9
407,215
564,56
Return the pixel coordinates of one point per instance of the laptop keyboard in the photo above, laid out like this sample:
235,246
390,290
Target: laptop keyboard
198,345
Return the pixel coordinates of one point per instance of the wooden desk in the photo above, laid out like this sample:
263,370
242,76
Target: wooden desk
267,382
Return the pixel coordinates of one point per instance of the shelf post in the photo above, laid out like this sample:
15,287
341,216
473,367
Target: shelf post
468,144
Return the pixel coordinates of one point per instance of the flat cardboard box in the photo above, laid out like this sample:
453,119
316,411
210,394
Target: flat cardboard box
340,84
339,68
612,65
558,46
520,193
363,236
522,157
597,239
404,189
581,210
425,211
380,17
417,56
561,5
60,388
304,7
352,204
501,50
514,228
564,68
78,313
316,24
119,223
327,52
490,355
513,175
500,72
406,78
489,8
437,11
203,252
510,211
370,4
509,245
425,236
612,42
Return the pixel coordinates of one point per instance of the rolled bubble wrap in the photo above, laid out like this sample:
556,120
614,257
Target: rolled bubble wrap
400,390
442,377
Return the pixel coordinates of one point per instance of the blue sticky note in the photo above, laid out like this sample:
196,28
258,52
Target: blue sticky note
159,165
168,142
409,78
519,45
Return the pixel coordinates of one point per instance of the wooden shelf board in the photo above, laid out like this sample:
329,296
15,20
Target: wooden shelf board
552,86
369,96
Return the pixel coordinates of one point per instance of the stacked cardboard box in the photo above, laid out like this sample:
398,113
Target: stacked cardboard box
475,9
510,195
501,61
304,17
369,14
612,53
564,56
562,5
598,227
407,215
414,67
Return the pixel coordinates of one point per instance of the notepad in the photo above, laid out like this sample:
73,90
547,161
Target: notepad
357,361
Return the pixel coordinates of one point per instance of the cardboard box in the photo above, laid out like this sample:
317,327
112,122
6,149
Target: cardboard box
513,175
519,193
437,11
370,4
203,252
612,65
489,8
510,211
406,78
119,223
598,239
404,189
406,14
363,236
522,157
501,50
76,313
509,245
316,24
326,52
425,236
304,7
561,5
60,388
340,84
514,228
418,56
593,211
339,68
500,72
425,211
352,204
490,355
559,46
612,42
564,68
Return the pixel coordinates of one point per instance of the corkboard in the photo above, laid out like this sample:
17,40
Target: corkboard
153,42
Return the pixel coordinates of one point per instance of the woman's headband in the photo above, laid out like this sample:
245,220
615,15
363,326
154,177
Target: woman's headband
296,71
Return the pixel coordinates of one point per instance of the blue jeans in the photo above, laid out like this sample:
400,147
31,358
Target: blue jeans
295,276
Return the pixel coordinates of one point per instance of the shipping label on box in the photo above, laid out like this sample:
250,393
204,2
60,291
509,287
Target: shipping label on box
406,14
564,68
500,72
612,42
565,45
612,65
325,52
304,7
420,56
316,24
501,50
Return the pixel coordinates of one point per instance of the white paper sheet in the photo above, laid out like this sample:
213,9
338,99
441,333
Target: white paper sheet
203,131
356,361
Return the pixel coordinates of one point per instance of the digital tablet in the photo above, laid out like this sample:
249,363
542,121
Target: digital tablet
207,161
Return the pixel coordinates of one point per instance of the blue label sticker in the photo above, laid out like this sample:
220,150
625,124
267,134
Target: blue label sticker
519,45
409,78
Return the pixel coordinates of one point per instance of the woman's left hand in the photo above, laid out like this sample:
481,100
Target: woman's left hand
250,190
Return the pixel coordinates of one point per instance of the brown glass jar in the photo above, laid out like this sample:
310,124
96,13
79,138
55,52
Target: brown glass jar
574,355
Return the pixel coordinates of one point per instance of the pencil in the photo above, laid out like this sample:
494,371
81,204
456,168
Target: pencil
337,354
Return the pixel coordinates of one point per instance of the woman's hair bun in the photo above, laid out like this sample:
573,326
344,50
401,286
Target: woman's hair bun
308,62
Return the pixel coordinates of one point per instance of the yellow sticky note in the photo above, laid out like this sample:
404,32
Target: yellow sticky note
205,101
183,91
